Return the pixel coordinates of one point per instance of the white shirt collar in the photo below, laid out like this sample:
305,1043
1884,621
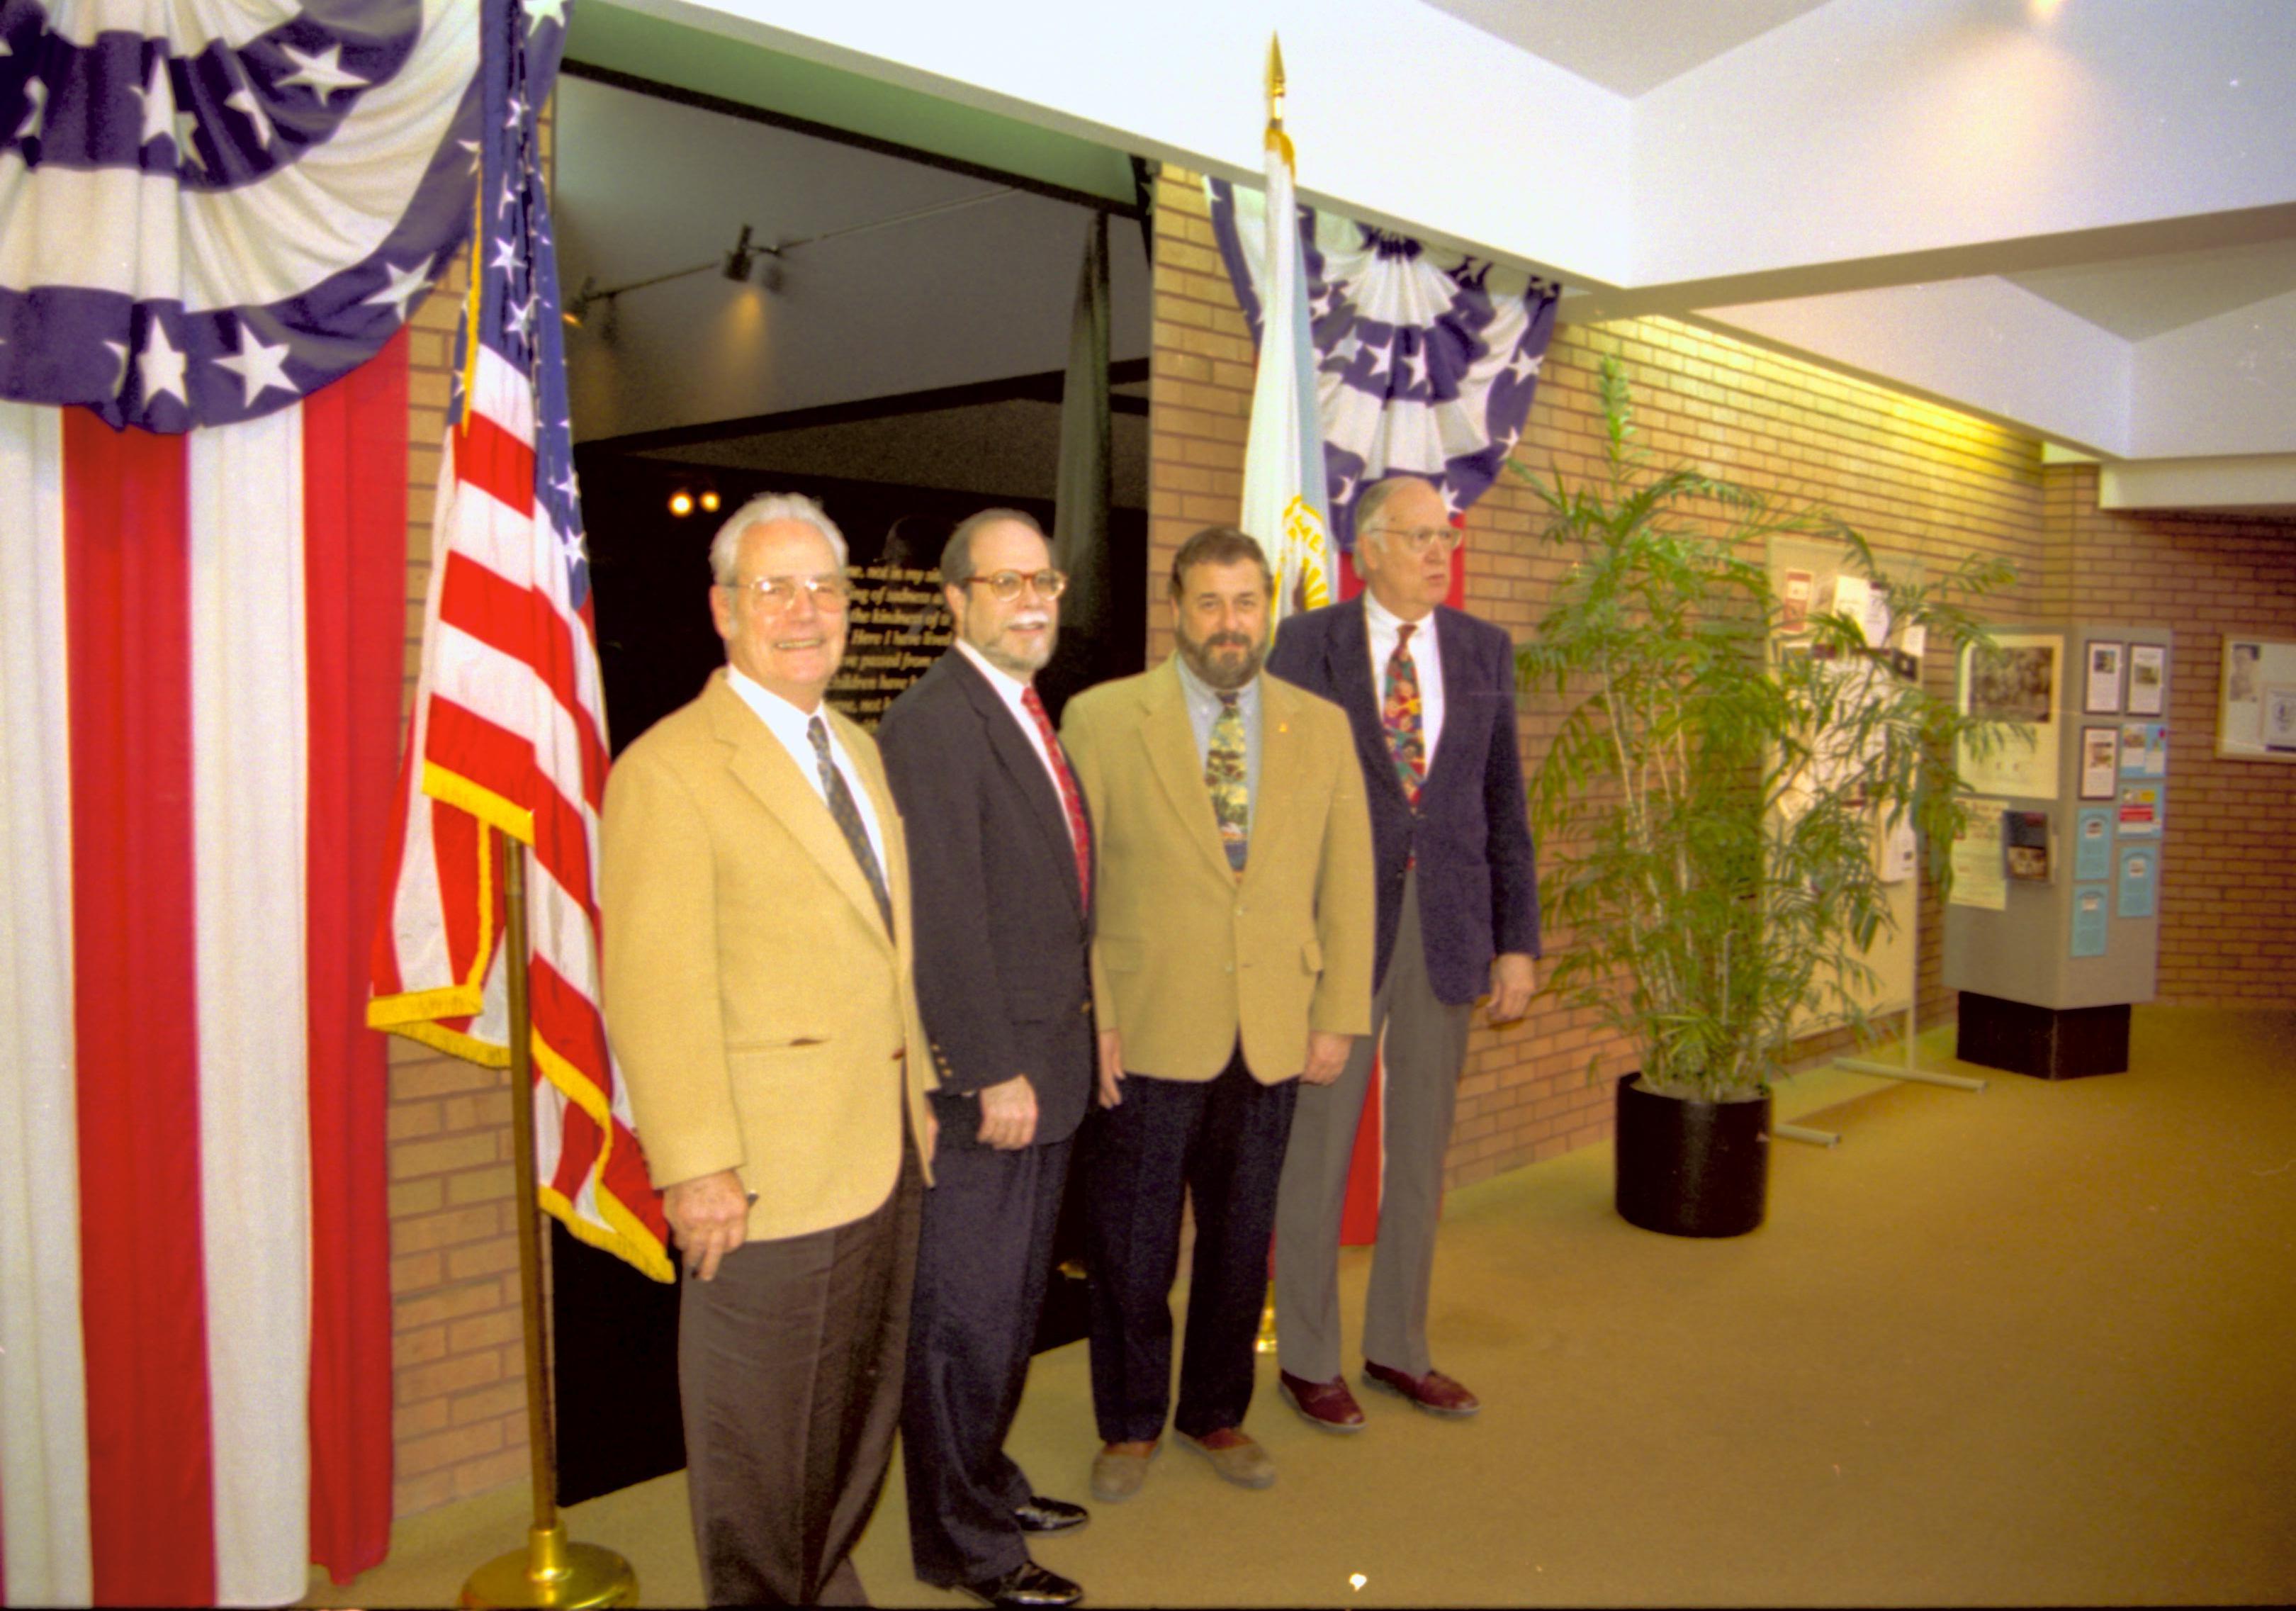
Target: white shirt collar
1386,621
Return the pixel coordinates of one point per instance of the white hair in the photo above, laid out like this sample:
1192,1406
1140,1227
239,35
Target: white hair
1374,503
725,548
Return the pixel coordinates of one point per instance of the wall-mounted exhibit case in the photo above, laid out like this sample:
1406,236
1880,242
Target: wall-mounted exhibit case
2054,930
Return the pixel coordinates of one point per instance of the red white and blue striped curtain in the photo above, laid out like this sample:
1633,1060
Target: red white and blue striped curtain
215,218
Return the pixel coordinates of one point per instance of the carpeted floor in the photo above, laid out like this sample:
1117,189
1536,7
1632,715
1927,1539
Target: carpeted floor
2034,1346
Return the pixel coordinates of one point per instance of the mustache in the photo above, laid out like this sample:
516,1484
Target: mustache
1229,640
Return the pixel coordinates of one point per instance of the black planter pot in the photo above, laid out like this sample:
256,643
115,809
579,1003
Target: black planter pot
1692,1169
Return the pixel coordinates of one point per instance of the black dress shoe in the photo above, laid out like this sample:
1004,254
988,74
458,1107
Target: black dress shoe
1041,1515
1027,1584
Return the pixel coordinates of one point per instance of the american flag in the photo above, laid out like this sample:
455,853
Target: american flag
509,733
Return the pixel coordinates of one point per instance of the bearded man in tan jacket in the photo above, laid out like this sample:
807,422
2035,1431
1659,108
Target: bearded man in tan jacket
755,889
1231,959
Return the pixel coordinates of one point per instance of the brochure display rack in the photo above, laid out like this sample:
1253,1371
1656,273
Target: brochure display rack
2052,931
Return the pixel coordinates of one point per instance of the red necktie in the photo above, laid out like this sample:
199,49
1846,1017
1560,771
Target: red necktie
1072,802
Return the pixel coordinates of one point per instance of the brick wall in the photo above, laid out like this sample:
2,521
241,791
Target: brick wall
2227,911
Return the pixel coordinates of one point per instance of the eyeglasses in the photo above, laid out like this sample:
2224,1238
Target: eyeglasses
776,594
1005,586
1443,539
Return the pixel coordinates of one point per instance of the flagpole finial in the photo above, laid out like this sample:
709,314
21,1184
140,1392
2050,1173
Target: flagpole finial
1277,140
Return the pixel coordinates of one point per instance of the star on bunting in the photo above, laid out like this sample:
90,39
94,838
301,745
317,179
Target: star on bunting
161,367
36,104
188,151
324,73
406,285
259,368
539,12
242,101
119,351
158,96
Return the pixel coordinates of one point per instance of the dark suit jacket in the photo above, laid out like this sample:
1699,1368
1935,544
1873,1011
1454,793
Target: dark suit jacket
1001,944
1478,889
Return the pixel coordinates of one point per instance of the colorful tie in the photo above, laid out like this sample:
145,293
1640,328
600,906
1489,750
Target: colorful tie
1071,801
848,820
1398,713
1224,776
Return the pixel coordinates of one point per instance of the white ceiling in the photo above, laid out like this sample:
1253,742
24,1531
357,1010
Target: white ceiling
1627,48
2076,216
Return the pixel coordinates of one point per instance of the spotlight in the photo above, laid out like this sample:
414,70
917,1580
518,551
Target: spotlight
681,503
738,260
709,500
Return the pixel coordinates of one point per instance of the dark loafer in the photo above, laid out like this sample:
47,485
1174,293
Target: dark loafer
1434,1393
1027,1584
1042,1515
1327,1405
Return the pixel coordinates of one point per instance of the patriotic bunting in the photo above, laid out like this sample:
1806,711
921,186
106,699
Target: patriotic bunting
1425,360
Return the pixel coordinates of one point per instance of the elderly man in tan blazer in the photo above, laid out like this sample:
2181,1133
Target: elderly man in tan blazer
755,894
1231,959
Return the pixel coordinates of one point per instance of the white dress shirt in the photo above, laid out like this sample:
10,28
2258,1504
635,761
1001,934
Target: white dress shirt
1009,688
787,723
1426,655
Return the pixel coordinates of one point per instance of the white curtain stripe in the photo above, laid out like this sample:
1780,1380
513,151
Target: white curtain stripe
250,852
43,1372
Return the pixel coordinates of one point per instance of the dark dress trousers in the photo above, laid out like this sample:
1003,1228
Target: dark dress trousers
1455,889
1004,987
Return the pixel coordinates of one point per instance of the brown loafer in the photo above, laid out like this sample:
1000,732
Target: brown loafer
1327,1405
1235,1456
1118,1469
1434,1393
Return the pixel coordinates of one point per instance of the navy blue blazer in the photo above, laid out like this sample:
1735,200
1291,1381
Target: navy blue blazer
1004,981
1477,889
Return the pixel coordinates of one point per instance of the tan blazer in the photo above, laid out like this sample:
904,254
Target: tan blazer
763,1019
1185,956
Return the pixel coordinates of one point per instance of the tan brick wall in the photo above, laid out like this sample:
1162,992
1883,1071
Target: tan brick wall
2227,912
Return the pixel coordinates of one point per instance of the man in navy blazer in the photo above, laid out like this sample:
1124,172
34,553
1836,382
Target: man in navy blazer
1430,694
1001,873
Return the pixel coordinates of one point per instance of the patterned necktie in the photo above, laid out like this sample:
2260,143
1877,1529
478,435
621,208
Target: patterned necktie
1072,802
1224,776
848,820
1398,713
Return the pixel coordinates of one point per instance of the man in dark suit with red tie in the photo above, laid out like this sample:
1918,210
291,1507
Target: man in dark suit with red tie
1430,694
1001,878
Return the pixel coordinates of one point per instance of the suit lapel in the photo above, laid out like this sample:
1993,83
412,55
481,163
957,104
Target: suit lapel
1019,758
1171,741
761,765
1281,742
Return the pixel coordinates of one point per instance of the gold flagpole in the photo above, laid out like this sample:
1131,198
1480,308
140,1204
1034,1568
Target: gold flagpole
1277,140
549,1571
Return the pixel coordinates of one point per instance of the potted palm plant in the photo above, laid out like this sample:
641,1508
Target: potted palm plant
1709,811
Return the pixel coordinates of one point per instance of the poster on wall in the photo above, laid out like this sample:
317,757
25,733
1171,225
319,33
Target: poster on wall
1979,875
2140,811
2256,707
2143,749
2013,682
2138,878
2100,762
2093,843
2089,926
2148,678
2103,695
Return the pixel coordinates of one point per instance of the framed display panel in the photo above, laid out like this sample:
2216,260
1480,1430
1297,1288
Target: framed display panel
1806,579
2256,699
